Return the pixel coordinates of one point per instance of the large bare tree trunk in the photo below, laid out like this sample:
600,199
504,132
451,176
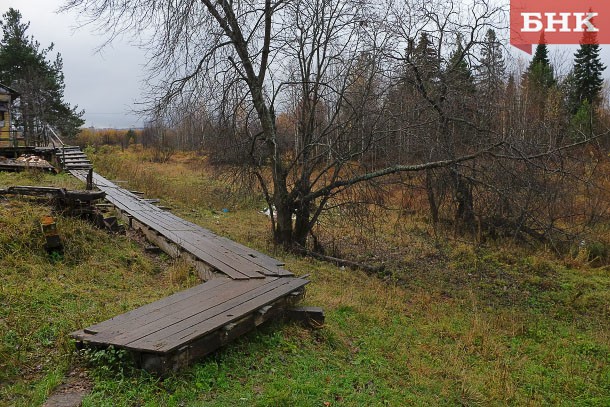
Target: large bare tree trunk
464,215
431,197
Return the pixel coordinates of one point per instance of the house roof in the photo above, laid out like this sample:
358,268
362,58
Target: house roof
9,91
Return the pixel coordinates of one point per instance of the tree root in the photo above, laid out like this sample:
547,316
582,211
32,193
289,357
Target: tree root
340,262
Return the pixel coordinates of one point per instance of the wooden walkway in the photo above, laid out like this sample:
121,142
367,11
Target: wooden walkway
244,289
168,324
223,255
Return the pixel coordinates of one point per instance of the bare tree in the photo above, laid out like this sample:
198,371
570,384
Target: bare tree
438,109
160,138
436,85
366,89
248,59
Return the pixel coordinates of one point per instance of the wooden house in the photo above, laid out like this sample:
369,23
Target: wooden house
8,135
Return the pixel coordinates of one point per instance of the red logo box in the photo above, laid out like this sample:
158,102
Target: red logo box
559,22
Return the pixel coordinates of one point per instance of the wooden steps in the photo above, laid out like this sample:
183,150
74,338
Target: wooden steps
72,158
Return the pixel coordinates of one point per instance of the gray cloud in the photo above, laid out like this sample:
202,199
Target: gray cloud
106,84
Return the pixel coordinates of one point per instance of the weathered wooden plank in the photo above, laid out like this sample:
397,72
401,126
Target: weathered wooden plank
149,323
21,165
202,244
178,223
133,205
207,320
130,316
77,161
72,153
215,256
268,263
101,181
158,216
221,253
268,269
237,247
236,251
51,191
163,363
213,259
175,314
205,271
171,338
221,262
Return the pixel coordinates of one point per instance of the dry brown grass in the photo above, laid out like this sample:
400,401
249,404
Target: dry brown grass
451,323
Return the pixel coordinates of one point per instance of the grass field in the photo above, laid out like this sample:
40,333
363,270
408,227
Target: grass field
449,324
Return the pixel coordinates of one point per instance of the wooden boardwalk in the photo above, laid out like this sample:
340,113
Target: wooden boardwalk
244,289
221,254
172,332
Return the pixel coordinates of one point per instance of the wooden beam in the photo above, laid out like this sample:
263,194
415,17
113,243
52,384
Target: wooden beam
312,317
163,364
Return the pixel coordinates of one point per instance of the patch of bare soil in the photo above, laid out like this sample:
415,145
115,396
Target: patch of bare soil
72,391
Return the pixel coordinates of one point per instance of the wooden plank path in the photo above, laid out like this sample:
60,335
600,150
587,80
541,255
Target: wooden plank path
166,325
223,255
245,288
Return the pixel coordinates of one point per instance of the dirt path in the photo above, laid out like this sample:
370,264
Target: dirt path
72,391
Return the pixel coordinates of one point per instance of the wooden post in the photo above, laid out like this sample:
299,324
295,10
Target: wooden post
90,179
49,230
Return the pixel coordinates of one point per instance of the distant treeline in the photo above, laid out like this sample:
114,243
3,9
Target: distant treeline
96,137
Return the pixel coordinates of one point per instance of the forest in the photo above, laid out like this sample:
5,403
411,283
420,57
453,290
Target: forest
320,107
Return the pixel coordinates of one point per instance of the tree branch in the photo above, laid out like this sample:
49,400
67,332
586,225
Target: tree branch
395,169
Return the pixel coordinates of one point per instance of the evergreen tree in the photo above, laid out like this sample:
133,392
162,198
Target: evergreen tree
459,89
540,72
459,75
26,67
491,76
582,121
538,83
587,73
492,70
425,65
569,92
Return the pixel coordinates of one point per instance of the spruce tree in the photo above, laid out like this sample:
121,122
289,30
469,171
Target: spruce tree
540,72
587,74
426,62
459,80
538,84
492,69
27,68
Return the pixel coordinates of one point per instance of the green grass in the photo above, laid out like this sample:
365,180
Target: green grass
44,298
451,325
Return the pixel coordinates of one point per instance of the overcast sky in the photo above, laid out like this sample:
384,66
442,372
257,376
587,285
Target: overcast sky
108,84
